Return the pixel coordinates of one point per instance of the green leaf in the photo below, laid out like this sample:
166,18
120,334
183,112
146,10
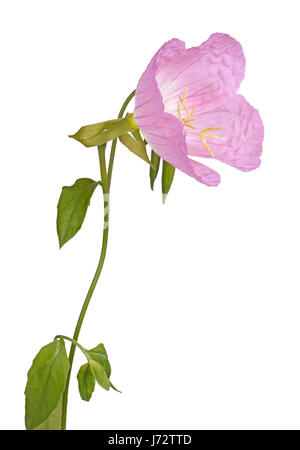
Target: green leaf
54,420
45,384
97,368
72,206
86,382
100,133
167,179
99,354
135,146
99,374
155,162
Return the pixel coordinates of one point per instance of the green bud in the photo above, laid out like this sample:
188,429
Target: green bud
100,133
167,179
155,161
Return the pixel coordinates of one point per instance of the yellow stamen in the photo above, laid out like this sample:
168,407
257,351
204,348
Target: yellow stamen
206,146
203,134
188,125
186,110
186,122
212,128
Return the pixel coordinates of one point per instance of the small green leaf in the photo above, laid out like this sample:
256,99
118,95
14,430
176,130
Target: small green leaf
86,382
46,383
99,374
167,179
99,354
72,206
100,133
155,161
135,146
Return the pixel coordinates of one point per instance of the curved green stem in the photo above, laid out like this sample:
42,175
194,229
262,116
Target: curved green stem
90,291
105,184
61,336
114,143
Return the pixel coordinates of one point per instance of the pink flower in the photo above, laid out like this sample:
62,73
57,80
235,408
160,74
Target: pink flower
186,105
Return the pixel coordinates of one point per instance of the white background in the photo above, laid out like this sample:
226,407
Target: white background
198,305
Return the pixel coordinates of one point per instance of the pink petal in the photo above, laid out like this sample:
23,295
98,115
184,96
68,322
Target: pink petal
212,73
149,106
241,131
168,140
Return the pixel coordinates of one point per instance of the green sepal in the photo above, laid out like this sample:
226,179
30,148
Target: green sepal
100,133
155,162
168,172
45,386
86,382
135,144
72,206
